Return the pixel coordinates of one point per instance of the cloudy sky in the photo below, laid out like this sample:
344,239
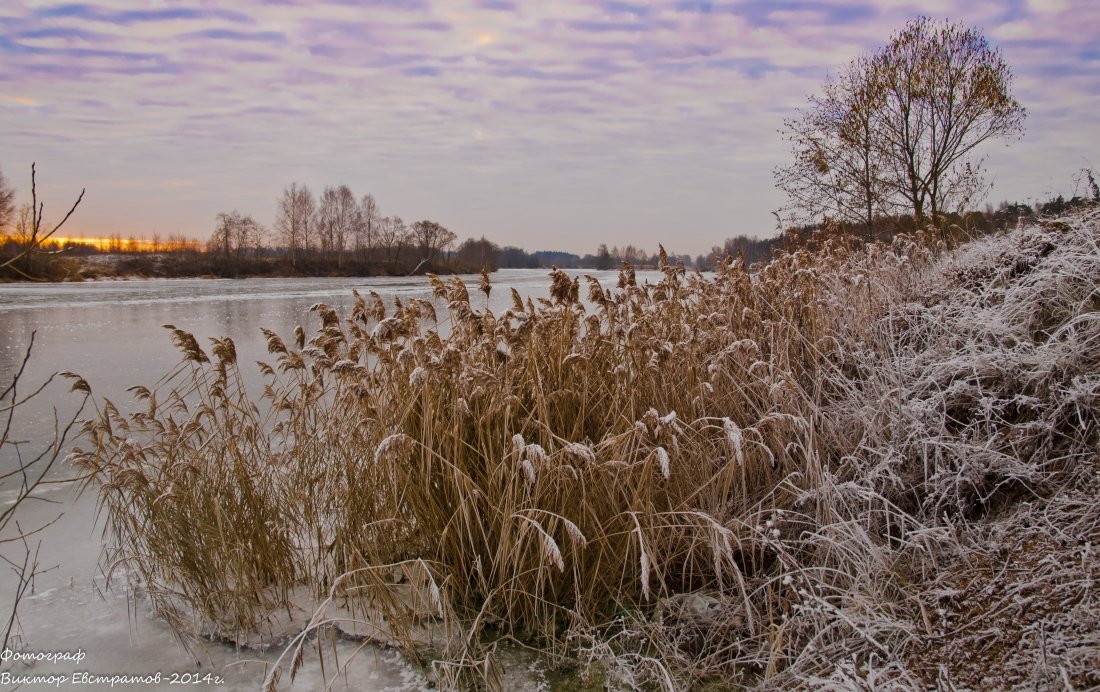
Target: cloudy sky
547,124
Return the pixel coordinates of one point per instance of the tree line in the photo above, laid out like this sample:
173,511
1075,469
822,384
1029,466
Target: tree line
955,225
333,234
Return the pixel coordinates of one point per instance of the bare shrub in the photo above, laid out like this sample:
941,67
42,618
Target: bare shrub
32,464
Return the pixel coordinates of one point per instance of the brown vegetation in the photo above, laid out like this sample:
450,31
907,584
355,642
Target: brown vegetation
751,478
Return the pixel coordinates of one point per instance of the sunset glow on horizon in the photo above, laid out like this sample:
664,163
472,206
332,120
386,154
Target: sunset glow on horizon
119,243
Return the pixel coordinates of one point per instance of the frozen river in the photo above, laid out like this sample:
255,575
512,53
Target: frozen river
110,333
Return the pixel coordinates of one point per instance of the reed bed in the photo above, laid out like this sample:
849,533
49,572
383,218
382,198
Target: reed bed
776,478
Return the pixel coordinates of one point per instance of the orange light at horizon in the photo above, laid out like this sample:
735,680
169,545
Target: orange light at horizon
119,244
98,243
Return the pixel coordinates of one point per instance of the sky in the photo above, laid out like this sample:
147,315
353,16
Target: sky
553,125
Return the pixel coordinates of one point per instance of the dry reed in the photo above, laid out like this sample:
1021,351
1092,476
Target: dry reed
753,477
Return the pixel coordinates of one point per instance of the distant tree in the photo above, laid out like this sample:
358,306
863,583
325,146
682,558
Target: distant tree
556,258
515,257
430,238
714,257
250,237
750,250
1008,214
394,236
898,128
367,229
479,254
235,235
24,224
347,209
7,202
293,220
336,219
183,244
324,220
221,241
603,257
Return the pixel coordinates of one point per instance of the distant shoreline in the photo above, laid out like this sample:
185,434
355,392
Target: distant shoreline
64,268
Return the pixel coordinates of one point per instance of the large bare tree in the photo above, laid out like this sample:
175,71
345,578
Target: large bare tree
898,128
946,92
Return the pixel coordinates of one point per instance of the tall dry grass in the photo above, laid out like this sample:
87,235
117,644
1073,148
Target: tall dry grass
748,477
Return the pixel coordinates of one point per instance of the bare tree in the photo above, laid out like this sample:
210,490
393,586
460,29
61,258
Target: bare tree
336,219
235,235
221,241
324,221
603,257
347,211
431,238
24,224
394,236
250,237
946,92
898,128
367,229
294,219
837,170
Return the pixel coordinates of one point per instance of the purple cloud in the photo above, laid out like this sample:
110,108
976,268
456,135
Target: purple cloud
407,5
601,26
90,12
671,100
497,5
619,7
237,36
69,33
